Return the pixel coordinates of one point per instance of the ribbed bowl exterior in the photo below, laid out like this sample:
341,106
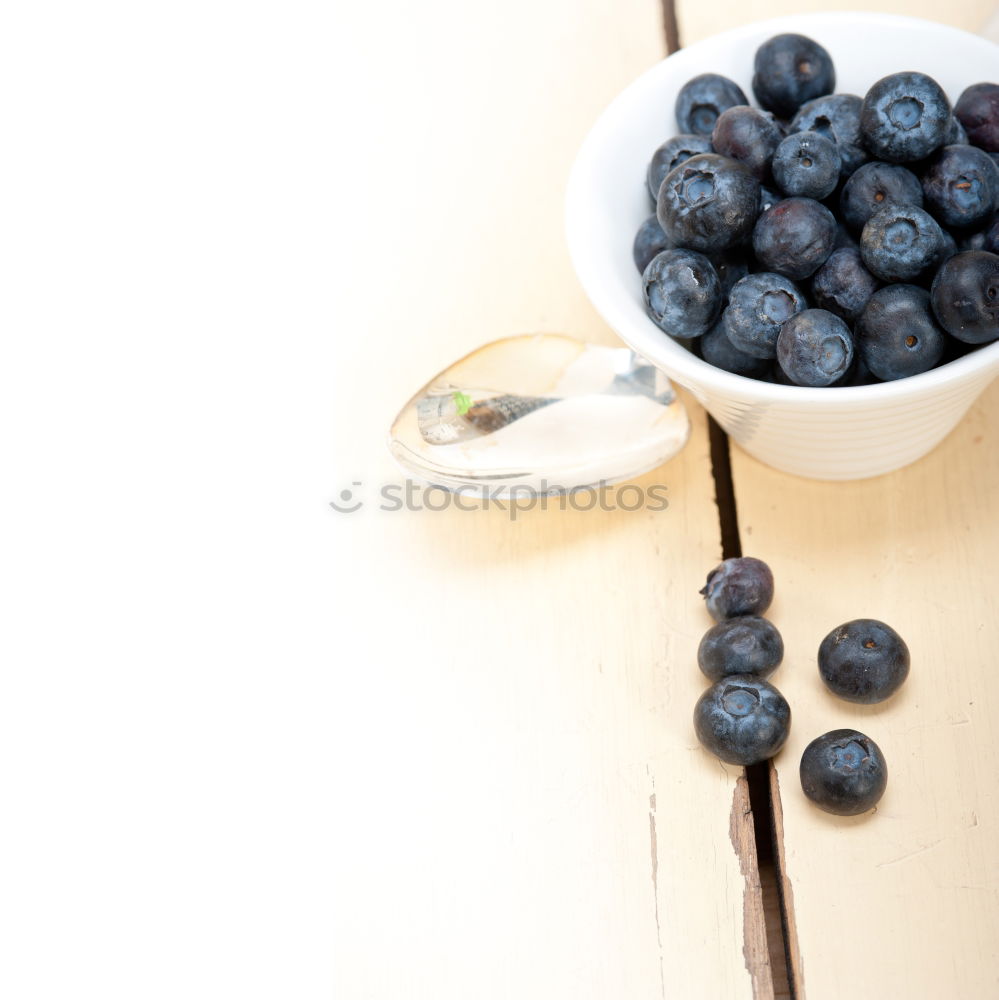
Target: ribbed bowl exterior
848,433
832,442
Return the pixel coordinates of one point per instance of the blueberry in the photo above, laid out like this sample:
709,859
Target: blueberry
718,350
972,241
702,99
900,242
815,348
807,164
965,297
856,374
843,772
837,117
670,155
779,376
984,239
746,645
757,306
708,203
843,285
947,250
865,661
749,136
768,199
977,109
742,720
739,586
955,136
795,237
897,335
682,292
650,240
992,235
790,70
859,373
874,186
732,266
845,239
904,117
961,186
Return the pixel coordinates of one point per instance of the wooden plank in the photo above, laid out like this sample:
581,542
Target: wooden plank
904,901
700,20
527,812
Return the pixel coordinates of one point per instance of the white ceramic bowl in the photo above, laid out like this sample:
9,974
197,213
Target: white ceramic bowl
845,433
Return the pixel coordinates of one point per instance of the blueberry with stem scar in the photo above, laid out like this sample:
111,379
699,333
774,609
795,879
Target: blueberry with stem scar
904,117
843,772
742,720
789,70
708,203
702,99
864,661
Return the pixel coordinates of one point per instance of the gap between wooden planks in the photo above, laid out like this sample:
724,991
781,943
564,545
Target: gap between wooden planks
771,943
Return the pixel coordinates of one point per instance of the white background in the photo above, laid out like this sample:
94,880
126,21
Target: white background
176,194
223,271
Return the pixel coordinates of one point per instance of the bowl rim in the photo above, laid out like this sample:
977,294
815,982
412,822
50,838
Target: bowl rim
659,348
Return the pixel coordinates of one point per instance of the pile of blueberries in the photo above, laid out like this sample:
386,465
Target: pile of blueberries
743,719
825,239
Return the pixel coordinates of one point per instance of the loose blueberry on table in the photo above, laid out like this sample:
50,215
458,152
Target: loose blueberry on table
742,720
895,188
843,772
745,645
738,586
864,661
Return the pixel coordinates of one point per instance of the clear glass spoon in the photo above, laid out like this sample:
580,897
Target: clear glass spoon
541,412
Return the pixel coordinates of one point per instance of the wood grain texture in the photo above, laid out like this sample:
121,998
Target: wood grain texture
743,835
527,812
910,892
699,20
788,918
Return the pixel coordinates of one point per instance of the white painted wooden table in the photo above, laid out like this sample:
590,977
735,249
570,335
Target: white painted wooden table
528,814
